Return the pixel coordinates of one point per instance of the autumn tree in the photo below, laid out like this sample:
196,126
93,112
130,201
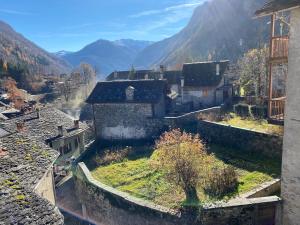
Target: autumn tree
14,94
183,157
253,70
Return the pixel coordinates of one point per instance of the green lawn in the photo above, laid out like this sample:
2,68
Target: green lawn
253,124
135,176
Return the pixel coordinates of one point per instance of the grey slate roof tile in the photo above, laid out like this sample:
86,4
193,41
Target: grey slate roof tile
23,166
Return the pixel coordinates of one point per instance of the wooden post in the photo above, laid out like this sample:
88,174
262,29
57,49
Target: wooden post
270,66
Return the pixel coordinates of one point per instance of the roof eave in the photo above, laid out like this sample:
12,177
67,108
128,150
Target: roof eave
269,12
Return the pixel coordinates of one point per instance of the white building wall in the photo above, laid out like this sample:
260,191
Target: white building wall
291,149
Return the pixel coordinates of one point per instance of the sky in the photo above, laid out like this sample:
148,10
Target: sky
71,24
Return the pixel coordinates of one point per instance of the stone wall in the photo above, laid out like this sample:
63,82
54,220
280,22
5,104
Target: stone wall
290,184
188,121
109,206
241,139
127,121
45,187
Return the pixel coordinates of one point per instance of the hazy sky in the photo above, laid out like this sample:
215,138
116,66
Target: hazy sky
71,24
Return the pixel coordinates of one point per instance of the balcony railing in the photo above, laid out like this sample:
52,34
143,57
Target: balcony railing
280,48
277,108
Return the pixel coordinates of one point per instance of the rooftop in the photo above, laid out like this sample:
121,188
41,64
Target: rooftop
276,6
145,91
23,163
204,74
44,127
172,76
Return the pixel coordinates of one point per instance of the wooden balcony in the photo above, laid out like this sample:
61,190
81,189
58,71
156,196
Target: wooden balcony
280,49
277,109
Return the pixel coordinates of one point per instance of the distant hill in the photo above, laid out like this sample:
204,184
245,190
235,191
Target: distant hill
218,29
16,49
107,56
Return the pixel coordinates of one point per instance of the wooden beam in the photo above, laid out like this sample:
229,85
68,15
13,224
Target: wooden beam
273,18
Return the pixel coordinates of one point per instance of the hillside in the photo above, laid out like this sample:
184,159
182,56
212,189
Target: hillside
16,49
223,29
107,56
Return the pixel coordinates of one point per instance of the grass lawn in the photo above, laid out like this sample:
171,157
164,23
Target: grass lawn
256,125
135,176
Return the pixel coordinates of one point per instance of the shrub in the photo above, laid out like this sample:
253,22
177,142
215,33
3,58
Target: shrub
113,156
242,110
184,159
259,111
221,181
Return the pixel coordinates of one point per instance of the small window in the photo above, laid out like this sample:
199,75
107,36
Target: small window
205,93
129,93
76,143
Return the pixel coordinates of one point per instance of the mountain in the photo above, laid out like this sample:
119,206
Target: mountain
62,53
108,56
218,29
16,49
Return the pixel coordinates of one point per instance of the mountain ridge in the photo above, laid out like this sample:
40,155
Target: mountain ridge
16,49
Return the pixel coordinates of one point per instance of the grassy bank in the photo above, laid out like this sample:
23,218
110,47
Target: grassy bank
136,176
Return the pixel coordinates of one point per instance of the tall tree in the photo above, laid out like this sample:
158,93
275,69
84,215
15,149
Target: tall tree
253,70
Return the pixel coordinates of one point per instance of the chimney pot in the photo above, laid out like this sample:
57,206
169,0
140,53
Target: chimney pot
61,130
38,113
20,126
76,124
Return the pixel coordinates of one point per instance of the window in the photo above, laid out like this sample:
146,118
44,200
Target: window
205,92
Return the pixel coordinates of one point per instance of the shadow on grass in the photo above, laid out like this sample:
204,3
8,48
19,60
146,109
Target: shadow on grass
246,161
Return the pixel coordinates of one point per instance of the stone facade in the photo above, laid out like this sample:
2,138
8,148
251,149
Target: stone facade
128,121
291,154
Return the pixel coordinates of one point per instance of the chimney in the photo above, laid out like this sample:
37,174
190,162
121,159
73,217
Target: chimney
38,113
162,71
218,69
61,131
20,126
76,124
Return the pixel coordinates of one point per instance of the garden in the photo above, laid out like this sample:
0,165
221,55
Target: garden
181,170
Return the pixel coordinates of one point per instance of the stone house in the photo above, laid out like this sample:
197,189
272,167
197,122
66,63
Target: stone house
54,128
204,84
290,182
26,181
128,109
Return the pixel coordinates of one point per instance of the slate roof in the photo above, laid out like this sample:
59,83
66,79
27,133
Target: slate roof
124,75
45,127
277,5
145,91
172,76
23,163
203,74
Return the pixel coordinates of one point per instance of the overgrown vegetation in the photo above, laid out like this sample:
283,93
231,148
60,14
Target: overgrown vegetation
250,123
136,175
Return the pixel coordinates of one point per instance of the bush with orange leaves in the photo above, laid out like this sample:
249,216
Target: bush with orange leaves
184,159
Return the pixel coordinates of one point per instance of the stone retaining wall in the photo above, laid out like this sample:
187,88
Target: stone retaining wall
109,206
241,139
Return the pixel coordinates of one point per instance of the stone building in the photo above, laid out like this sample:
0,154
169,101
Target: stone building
128,109
54,128
26,183
290,184
204,84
